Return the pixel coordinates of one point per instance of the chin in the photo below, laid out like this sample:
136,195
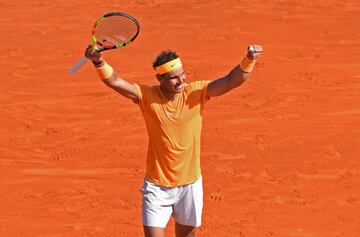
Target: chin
178,91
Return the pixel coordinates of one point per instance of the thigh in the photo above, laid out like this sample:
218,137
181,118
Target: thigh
184,231
188,210
157,205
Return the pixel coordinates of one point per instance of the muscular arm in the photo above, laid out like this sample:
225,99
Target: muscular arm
113,80
236,76
123,87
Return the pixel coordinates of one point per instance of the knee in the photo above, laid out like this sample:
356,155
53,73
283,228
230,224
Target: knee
184,231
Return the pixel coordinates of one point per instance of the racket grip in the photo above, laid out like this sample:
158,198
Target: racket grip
78,65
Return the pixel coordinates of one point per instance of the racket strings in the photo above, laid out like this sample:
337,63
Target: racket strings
118,24
115,30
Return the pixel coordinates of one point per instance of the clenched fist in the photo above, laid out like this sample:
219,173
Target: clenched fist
254,51
91,55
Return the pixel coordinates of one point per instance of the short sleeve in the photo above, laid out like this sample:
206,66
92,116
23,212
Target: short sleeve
202,87
144,94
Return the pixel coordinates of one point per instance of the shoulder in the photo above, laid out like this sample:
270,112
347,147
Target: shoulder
146,92
199,85
197,91
147,88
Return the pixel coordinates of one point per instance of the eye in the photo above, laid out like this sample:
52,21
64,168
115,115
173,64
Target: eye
182,74
175,77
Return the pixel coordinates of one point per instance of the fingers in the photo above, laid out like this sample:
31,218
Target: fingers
254,51
91,54
255,48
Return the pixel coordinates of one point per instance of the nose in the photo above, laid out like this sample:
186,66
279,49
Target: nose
181,78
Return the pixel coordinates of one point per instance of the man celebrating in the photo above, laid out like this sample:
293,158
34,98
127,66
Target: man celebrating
172,112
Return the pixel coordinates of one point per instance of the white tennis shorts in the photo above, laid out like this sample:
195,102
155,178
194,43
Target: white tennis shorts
185,203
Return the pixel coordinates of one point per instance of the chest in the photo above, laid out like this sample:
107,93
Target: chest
179,111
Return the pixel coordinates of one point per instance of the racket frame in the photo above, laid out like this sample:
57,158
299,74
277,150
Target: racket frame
94,41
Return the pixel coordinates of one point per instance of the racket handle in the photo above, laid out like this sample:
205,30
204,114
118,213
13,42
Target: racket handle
78,65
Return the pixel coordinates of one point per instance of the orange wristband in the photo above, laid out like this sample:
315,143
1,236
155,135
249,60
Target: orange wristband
105,71
247,64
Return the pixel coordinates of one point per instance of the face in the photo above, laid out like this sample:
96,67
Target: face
173,81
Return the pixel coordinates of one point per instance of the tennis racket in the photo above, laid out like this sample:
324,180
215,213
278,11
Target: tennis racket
111,31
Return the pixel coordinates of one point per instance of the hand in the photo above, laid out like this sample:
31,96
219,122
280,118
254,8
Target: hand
93,56
254,51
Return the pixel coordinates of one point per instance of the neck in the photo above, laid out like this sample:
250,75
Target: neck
169,95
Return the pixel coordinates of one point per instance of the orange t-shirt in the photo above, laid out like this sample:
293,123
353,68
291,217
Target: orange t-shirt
174,130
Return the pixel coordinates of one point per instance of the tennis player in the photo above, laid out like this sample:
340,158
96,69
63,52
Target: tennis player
172,111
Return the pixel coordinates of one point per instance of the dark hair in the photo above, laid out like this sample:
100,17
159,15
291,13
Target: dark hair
164,57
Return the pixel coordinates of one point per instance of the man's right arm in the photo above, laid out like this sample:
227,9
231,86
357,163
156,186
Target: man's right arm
110,77
123,87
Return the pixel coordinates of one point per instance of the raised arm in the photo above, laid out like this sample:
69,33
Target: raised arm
110,77
236,76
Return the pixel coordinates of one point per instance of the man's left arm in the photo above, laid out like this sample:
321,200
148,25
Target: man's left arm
238,75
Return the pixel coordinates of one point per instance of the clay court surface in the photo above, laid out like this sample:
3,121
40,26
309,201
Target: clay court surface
280,154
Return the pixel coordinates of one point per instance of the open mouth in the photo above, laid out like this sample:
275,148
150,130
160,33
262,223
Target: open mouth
179,87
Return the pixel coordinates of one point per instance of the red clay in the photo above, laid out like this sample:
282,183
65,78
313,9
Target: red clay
280,154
